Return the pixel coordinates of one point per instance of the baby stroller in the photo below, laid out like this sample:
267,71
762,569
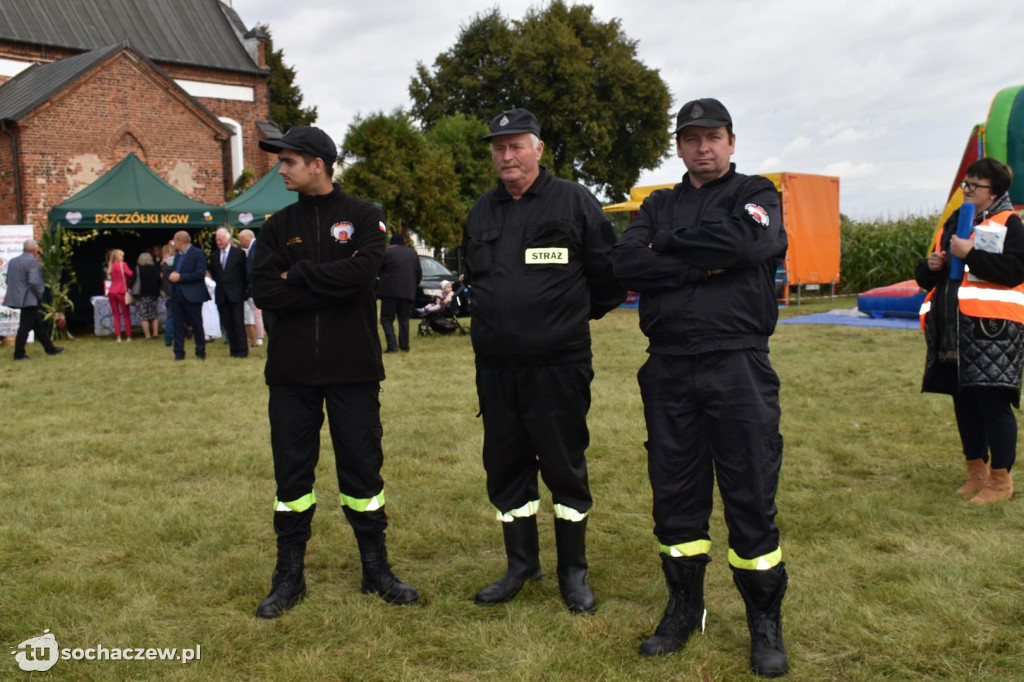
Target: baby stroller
445,320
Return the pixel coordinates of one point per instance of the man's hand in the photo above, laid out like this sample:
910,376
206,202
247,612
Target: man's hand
284,275
174,276
936,260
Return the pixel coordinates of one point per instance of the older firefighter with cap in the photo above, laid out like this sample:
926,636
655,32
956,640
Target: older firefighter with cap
703,257
538,258
315,269
974,328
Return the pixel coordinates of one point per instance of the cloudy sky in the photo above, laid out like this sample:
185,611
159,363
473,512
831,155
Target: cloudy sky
882,93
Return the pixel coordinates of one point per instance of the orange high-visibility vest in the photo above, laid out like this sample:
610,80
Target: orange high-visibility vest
986,299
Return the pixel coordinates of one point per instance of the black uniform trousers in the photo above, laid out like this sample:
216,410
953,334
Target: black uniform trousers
713,413
30,320
353,417
535,419
389,309
191,314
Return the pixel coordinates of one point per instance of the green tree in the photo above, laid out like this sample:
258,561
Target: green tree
424,182
604,114
286,108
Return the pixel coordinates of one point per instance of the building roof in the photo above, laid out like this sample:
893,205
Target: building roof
36,84
193,32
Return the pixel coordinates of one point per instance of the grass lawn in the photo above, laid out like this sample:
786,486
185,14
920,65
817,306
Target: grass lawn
136,500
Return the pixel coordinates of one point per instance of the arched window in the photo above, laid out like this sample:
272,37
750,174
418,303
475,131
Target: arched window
237,147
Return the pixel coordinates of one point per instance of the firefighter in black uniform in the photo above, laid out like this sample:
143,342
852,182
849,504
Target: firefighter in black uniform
315,269
538,258
703,257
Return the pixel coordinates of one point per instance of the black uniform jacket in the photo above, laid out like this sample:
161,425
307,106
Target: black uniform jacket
733,223
540,270
325,329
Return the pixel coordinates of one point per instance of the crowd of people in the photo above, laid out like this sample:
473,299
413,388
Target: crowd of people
543,260
202,297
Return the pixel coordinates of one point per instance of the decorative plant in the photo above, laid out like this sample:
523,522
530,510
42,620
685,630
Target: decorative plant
58,249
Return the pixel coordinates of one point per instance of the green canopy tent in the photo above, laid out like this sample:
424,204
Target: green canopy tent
259,202
130,195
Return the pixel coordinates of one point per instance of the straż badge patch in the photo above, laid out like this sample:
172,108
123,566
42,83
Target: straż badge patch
342,232
759,215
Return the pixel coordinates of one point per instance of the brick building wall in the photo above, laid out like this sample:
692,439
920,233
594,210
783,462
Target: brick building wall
8,204
246,113
124,106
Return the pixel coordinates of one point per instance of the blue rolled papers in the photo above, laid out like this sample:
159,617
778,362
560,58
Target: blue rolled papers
964,227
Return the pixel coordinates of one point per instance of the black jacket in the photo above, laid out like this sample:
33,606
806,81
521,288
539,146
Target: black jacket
232,282
325,329
733,223
958,354
539,271
400,273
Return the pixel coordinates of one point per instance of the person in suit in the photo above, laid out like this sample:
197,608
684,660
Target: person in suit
25,291
247,240
188,278
400,273
227,268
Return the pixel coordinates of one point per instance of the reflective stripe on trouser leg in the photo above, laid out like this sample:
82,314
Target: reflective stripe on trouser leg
362,504
527,510
687,549
569,514
298,505
764,562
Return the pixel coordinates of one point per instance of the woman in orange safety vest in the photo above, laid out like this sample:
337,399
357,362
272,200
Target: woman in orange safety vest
974,329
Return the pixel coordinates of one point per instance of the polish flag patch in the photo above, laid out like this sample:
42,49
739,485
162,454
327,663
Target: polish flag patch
382,226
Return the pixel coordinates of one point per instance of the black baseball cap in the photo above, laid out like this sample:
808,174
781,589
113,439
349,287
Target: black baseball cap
513,122
703,113
306,139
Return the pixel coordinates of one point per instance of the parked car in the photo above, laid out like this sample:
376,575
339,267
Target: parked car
434,272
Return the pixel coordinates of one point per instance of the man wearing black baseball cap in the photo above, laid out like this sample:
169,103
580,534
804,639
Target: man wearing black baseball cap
314,271
703,257
537,258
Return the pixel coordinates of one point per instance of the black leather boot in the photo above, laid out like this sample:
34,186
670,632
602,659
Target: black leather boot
377,575
523,551
288,586
685,612
571,542
762,593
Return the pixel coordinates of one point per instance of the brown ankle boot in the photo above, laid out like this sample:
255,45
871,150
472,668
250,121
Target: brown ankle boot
977,474
999,486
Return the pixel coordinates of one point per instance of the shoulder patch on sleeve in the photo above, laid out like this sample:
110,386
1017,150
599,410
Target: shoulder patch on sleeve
759,215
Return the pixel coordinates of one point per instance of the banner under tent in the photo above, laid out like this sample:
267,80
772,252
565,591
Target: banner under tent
253,206
810,212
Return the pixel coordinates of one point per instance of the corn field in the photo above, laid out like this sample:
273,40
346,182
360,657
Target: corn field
880,253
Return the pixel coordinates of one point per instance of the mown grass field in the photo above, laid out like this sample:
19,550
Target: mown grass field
136,500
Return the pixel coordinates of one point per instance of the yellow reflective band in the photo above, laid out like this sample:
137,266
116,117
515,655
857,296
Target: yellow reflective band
299,505
568,513
760,563
362,504
694,548
526,511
